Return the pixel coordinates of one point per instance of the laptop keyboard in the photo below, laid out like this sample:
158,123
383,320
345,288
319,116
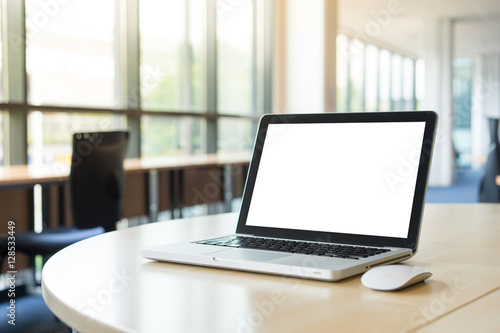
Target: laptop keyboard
310,248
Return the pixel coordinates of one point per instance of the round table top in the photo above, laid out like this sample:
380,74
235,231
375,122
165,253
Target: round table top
102,284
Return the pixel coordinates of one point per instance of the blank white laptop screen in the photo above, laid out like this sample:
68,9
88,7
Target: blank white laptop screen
354,178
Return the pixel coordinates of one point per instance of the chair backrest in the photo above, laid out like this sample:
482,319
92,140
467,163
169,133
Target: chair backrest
489,191
97,178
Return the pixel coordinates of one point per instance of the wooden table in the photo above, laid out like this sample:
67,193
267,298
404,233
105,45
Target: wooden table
104,285
29,175
142,180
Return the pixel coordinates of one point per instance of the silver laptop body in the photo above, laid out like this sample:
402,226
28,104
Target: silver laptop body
327,196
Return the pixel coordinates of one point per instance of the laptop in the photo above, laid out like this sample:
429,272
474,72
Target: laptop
327,196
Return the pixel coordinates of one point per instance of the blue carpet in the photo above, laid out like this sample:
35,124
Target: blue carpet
31,315
30,312
464,190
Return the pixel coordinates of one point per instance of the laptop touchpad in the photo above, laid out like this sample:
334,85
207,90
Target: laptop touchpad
245,255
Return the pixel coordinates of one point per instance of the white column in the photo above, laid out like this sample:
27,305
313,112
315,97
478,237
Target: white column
438,52
304,56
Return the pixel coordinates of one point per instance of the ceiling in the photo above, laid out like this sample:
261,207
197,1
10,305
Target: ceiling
476,23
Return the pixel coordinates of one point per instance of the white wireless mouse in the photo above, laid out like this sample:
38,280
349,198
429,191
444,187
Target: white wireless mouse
394,277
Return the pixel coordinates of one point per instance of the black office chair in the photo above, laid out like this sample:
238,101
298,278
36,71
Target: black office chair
489,191
96,183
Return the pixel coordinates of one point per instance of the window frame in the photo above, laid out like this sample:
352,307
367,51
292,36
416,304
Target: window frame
128,64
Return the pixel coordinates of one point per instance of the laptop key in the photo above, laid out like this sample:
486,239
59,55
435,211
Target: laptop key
300,247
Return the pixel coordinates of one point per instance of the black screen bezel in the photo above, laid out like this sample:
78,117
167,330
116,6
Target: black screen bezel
411,241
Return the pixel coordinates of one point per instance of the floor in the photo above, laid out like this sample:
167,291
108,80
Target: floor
28,314
464,190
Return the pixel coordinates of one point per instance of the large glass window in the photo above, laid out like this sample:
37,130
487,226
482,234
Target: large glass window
236,135
384,83
419,83
408,94
70,57
77,64
171,35
463,75
371,78
70,61
236,56
197,75
172,75
172,136
50,133
356,76
396,82
342,72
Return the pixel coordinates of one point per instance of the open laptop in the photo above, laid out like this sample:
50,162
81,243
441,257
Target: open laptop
327,196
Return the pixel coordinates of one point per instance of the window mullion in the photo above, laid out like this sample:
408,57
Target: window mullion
128,75
211,77
14,67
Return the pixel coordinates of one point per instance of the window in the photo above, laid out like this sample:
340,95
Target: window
342,72
171,36
235,55
356,76
408,94
78,61
463,75
70,61
172,75
396,82
70,56
371,78
50,133
419,83
172,136
236,135
384,80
